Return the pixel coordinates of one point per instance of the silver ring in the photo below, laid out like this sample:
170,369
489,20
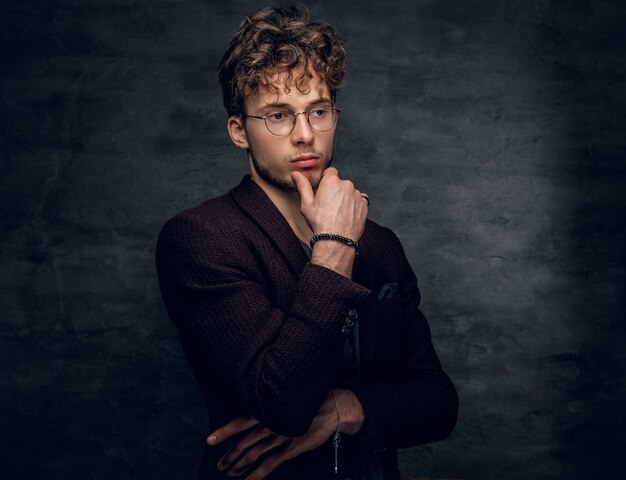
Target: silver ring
367,199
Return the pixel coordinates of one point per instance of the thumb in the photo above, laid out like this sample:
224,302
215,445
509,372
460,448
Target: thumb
304,188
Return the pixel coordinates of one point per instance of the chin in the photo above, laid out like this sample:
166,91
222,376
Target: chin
287,184
315,179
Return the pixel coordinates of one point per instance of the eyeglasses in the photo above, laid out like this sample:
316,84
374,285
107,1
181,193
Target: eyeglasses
282,122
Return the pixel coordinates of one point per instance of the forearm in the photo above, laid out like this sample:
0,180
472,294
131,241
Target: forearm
420,410
411,403
406,396
286,382
279,357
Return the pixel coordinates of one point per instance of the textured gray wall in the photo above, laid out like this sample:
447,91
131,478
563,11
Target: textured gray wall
489,135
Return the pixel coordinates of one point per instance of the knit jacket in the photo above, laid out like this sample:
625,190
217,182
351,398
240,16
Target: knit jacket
264,329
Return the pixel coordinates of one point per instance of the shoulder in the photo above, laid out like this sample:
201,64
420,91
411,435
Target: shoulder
222,219
211,216
212,230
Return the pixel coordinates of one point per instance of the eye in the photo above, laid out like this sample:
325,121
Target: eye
277,116
319,112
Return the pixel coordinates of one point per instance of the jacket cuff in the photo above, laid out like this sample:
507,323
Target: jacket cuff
326,297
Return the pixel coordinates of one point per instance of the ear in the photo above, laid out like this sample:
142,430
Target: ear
237,132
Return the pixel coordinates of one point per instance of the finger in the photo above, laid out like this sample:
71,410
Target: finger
330,171
294,449
233,455
252,456
238,425
305,189
362,200
266,468
363,197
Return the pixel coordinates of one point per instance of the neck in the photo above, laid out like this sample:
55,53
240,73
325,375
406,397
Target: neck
288,203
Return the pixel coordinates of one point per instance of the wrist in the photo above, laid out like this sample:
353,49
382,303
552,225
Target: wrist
334,256
335,238
351,415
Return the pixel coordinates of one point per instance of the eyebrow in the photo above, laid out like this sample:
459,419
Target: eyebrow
286,105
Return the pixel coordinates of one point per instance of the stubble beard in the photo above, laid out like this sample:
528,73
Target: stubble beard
282,184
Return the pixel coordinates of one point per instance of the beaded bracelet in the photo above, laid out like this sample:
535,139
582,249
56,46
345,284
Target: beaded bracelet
333,236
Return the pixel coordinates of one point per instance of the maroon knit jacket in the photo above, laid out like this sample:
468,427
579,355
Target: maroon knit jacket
264,329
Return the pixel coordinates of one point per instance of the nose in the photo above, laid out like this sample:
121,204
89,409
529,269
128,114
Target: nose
302,132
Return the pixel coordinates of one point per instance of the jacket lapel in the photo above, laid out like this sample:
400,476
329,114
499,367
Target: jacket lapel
253,200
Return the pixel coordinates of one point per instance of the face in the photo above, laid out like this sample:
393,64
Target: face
272,159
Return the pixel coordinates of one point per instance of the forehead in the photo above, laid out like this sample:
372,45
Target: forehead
284,90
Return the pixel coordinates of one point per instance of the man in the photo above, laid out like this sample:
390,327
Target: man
299,317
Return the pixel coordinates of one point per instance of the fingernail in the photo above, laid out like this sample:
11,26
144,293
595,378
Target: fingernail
211,440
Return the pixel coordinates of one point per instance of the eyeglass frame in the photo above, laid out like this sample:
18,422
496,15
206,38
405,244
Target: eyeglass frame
293,123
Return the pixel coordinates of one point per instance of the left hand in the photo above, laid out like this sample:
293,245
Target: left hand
261,441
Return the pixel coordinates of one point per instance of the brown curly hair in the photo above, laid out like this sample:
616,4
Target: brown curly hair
276,41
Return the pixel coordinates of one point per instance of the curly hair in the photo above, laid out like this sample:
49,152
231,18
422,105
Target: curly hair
277,41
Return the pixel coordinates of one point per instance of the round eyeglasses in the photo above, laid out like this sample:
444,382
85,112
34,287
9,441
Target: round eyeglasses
282,122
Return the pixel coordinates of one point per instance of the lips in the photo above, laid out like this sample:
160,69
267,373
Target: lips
306,161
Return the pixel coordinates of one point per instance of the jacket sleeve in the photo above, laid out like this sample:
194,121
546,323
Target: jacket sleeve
413,403
280,365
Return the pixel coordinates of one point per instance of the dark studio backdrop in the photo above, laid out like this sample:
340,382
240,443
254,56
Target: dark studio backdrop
489,135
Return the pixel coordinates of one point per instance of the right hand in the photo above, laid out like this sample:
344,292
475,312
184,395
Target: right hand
261,451
337,206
